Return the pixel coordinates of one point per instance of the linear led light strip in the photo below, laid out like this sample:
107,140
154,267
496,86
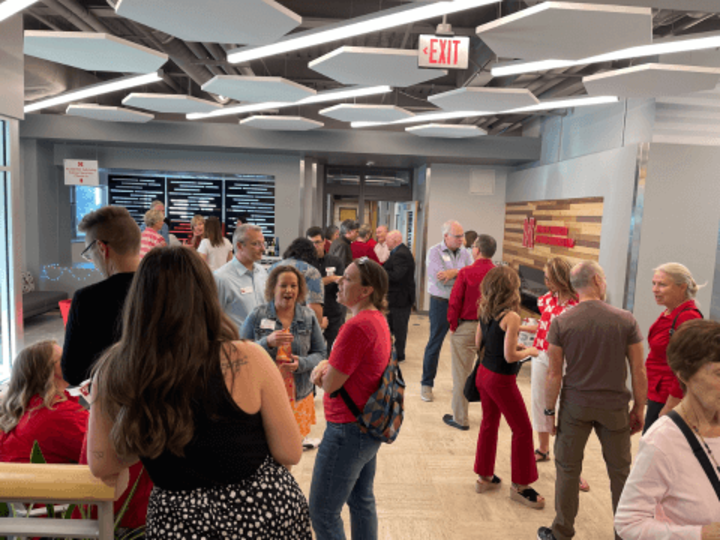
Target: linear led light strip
544,106
96,90
322,97
666,47
356,27
8,8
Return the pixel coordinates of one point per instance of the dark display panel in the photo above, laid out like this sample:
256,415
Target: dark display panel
190,196
251,198
135,193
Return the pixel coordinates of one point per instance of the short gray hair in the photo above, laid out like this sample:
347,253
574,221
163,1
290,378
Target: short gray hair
486,244
680,274
364,231
348,225
582,273
153,217
240,234
448,225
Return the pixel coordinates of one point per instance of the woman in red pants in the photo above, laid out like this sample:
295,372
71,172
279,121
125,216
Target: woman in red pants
499,393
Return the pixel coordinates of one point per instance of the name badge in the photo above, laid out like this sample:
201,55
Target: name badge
446,257
267,324
246,290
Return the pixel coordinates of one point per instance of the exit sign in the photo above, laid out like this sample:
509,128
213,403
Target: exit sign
443,52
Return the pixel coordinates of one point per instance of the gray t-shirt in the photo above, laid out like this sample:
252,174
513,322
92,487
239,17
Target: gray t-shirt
595,337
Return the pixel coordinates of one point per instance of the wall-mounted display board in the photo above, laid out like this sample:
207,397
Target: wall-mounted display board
190,196
538,230
251,197
135,193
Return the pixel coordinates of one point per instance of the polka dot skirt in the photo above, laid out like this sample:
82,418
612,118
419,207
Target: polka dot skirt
268,505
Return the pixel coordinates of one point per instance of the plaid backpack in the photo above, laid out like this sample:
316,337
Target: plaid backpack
383,413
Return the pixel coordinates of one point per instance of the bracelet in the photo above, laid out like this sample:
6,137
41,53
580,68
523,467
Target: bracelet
549,412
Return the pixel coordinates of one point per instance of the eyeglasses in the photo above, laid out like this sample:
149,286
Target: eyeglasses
85,254
255,244
458,236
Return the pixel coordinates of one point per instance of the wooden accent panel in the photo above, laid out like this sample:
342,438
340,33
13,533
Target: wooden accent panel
582,217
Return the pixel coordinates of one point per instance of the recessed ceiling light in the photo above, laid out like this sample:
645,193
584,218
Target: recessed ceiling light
356,27
96,90
10,7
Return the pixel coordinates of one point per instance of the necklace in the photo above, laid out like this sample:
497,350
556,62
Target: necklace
702,439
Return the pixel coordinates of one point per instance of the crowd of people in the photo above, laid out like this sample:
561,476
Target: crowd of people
204,367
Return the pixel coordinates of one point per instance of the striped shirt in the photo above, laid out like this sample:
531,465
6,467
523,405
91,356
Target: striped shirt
149,239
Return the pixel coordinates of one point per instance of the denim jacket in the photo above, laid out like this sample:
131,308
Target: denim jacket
308,342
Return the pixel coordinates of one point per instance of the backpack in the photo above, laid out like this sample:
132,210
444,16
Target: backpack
384,412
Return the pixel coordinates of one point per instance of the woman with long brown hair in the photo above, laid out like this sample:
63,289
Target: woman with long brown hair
197,226
37,408
215,249
205,413
496,380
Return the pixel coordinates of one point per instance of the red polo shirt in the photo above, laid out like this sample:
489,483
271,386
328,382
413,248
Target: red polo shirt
465,293
363,249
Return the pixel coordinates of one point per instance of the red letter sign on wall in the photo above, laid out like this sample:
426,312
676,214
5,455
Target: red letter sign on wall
529,233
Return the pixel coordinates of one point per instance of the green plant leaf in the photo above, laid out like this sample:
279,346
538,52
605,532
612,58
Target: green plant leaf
125,505
68,513
36,455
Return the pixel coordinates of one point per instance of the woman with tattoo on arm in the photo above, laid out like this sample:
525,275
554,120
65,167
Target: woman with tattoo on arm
207,414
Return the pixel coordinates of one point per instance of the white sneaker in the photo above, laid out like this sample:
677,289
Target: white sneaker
426,393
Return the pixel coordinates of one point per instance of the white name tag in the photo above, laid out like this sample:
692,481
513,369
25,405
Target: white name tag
246,290
446,258
267,324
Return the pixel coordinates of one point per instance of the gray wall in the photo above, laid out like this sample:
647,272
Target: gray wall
680,221
12,74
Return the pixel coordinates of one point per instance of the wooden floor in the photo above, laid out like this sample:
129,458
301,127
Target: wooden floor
425,480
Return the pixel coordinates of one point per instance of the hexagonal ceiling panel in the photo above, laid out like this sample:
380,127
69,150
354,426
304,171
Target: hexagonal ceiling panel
484,99
281,123
108,114
250,22
652,80
347,112
567,31
257,89
368,66
170,103
446,131
92,52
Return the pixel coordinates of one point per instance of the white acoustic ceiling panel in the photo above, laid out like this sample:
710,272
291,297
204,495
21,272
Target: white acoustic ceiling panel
92,51
446,131
250,22
652,80
484,99
348,112
170,103
257,89
281,123
567,31
108,114
368,66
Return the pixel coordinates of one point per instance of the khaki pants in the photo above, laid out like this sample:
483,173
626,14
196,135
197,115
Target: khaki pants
574,426
464,353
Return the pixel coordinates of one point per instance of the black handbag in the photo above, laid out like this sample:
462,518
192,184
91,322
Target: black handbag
470,391
697,450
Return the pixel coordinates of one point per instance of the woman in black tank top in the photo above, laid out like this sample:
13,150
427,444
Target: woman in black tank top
206,414
499,394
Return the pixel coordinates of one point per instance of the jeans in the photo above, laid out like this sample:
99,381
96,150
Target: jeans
439,327
652,413
398,319
344,472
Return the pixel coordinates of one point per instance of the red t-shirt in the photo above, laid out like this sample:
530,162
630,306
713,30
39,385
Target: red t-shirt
59,432
363,249
661,380
364,343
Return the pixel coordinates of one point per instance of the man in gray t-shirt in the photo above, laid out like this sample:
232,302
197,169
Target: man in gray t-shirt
595,341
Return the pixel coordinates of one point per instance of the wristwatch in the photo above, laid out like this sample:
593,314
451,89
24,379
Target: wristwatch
549,412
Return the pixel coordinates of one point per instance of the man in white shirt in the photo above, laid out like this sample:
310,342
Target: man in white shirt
381,249
241,282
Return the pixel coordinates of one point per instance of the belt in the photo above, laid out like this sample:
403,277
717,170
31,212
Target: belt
467,320
440,298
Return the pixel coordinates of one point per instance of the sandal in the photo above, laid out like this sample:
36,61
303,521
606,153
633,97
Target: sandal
584,486
528,496
541,456
481,486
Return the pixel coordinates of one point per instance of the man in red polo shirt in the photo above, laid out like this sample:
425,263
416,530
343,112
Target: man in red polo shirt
463,319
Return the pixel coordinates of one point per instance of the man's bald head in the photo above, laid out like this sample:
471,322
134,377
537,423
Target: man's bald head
394,239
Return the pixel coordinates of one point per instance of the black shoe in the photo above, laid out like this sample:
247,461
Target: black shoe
545,533
450,421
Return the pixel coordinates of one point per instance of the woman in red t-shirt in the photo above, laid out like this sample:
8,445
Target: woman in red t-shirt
674,288
346,461
37,408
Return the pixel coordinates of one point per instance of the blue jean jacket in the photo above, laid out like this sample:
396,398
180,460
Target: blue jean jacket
308,342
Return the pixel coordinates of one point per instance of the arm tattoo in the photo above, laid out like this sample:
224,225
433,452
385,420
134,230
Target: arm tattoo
99,455
233,365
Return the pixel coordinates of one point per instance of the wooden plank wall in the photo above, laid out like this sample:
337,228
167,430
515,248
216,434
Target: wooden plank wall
582,217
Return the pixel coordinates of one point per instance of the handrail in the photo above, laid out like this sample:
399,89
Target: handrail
52,483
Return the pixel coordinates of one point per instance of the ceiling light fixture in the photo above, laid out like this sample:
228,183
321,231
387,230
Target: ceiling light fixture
564,103
663,47
96,90
356,27
10,7
321,97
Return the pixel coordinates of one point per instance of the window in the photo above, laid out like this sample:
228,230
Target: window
86,199
8,322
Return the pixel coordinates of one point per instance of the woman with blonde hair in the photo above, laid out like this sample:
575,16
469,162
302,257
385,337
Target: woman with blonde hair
215,249
197,226
497,383
37,408
674,288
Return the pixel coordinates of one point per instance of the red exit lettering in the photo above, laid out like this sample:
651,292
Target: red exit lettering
447,51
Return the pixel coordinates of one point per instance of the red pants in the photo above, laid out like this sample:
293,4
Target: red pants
499,394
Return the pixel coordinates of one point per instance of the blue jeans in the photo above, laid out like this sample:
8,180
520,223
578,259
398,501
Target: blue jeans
344,472
439,327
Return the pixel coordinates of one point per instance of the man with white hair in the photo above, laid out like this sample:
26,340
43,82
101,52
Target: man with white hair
241,282
595,341
400,268
381,249
444,261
